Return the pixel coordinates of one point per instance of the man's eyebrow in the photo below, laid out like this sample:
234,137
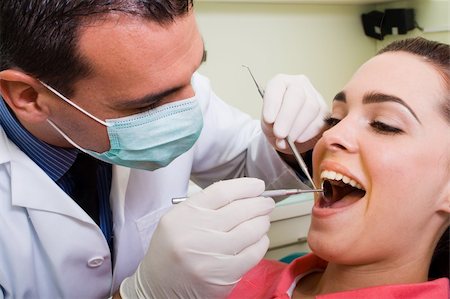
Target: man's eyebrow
377,97
204,56
340,97
151,99
147,100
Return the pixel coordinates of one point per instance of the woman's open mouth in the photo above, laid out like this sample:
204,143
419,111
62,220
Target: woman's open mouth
339,190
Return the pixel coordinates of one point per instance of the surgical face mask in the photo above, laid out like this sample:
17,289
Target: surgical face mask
148,140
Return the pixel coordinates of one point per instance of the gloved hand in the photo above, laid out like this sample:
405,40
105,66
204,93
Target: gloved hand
203,246
292,107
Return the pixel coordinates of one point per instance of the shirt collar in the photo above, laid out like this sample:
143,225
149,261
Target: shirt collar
54,161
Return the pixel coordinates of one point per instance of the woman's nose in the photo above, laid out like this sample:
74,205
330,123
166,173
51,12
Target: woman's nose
341,137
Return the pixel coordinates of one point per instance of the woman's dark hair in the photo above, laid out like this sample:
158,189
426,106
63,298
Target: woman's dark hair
437,54
440,263
40,37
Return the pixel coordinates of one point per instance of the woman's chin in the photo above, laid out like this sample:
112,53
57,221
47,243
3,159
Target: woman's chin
329,249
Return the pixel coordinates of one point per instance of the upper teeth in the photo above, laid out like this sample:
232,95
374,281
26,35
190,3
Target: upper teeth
335,176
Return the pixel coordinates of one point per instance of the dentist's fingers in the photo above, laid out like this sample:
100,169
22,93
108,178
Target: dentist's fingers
239,238
293,101
273,98
307,116
292,107
223,193
243,210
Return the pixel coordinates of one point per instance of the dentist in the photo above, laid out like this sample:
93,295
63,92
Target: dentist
104,119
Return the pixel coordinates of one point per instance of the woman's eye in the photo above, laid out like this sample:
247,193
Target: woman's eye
331,121
383,128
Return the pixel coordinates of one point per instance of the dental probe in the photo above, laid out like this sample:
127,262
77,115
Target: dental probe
268,193
291,144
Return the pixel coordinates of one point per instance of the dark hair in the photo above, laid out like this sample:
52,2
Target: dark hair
40,37
440,263
438,54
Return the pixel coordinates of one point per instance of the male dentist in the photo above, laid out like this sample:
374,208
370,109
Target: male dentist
103,120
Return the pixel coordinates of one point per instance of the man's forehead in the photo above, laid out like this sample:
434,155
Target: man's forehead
124,36
131,52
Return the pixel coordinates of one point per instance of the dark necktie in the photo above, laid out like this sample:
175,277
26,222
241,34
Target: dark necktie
84,190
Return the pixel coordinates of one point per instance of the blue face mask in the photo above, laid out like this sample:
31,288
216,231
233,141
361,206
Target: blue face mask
148,140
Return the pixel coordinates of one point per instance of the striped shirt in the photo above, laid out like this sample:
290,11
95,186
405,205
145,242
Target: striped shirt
56,162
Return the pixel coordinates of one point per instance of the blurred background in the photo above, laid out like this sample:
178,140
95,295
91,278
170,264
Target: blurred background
323,39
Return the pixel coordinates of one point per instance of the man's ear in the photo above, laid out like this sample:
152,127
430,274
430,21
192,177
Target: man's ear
24,95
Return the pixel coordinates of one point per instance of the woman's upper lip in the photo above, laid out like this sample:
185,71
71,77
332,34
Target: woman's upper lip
337,167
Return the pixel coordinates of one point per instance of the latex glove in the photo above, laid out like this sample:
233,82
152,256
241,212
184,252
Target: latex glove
292,107
203,246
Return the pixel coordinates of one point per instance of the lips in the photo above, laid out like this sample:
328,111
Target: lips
340,190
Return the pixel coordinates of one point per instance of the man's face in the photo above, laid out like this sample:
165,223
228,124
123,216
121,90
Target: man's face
136,65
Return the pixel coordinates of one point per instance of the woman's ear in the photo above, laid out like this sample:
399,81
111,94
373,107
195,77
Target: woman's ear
23,94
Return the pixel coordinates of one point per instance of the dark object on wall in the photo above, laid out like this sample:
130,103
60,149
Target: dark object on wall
377,24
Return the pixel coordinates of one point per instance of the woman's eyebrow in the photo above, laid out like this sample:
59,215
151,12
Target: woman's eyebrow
377,97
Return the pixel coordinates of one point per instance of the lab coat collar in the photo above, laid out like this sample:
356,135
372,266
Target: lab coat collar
120,176
4,149
32,188
39,192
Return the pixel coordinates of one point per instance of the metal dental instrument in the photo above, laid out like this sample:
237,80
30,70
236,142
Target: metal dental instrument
268,193
291,144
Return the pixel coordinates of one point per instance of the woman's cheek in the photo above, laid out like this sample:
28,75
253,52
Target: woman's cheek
318,156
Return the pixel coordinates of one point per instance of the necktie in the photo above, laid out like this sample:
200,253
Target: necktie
83,174
90,186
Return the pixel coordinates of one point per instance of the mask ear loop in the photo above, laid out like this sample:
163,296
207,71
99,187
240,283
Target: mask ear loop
57,93
66,137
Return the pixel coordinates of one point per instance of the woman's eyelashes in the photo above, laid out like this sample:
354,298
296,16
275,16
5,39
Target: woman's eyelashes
377,126
331,121
383,128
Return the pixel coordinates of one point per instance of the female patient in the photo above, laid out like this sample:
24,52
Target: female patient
384,163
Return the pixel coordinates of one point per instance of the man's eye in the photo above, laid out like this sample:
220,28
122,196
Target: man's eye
149,107
152,106
384,128
331,121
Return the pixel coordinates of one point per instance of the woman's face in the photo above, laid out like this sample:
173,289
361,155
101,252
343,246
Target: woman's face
388,137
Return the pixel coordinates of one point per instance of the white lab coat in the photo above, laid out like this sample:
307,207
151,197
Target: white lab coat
50,248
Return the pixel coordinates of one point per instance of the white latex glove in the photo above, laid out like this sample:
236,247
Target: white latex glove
292,107
203,246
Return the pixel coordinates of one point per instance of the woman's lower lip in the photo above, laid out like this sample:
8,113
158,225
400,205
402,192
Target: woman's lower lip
319,212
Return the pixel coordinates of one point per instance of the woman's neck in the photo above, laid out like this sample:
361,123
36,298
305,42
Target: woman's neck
339,278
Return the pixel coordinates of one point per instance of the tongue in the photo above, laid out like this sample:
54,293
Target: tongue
347,200
337,194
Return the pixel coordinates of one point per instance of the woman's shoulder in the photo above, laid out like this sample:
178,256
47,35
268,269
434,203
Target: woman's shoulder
260,281
271,278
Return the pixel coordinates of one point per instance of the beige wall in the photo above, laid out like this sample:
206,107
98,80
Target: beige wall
325,42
